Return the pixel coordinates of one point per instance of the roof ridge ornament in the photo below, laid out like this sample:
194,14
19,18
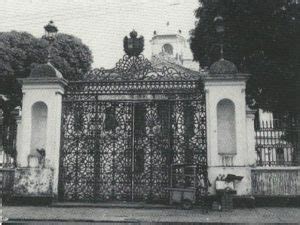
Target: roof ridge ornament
134,45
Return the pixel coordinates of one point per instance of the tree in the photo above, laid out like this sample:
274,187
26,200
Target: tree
261,38
70,56
19,51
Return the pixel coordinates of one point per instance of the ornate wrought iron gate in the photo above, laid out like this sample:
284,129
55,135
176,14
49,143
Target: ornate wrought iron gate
123,128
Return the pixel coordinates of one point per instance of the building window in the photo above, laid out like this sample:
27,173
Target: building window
167,48
280,156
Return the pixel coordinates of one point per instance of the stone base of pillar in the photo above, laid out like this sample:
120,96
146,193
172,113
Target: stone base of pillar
242,187
33,182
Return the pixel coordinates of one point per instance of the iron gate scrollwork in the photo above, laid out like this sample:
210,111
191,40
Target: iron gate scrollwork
123,128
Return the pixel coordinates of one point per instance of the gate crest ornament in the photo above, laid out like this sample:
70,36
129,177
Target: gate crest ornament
134,45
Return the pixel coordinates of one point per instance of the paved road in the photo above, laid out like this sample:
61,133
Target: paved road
135,216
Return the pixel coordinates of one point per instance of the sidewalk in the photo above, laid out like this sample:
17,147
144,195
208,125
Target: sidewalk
130,215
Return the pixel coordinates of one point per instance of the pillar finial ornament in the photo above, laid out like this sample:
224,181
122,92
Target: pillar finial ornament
220,28
50,34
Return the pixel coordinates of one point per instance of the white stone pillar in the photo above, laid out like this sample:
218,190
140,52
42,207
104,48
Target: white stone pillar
223,84
251,160
44,86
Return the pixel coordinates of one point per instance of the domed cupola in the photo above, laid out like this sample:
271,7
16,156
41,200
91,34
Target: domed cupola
224,70
46,70
223,67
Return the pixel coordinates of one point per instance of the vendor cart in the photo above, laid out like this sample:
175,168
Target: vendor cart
183,185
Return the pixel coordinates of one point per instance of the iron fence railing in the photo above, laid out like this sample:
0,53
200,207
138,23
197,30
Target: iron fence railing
277,143
8,135
7,182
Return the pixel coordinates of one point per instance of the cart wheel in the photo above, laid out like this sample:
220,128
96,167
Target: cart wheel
187,204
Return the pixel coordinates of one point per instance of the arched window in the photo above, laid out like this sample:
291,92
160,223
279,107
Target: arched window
167,48
226,127
39,115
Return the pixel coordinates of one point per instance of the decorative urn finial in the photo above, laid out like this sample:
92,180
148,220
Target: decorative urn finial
50,30
134,45
133,34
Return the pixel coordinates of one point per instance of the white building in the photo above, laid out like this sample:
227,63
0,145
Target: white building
173,47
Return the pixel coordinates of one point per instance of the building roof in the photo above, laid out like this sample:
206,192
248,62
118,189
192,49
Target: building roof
169,29
159,61
223,67
45,71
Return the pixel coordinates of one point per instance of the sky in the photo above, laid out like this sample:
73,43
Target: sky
100,24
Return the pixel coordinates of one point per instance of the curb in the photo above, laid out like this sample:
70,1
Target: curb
13,220
124,206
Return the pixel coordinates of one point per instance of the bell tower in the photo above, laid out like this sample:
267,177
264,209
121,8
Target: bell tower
169,43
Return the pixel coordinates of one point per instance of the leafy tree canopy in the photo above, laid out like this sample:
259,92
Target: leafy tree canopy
19,51
261,38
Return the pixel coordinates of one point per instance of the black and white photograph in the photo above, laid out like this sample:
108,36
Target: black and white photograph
150,111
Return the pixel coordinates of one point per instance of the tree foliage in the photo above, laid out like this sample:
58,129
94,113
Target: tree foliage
70,56
19,51
261,38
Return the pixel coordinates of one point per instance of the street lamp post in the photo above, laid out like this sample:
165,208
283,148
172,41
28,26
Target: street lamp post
50,34
219,26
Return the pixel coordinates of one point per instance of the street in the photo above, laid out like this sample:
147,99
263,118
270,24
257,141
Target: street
136,216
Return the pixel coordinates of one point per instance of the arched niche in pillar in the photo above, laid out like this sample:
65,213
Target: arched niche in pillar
39,114
226,131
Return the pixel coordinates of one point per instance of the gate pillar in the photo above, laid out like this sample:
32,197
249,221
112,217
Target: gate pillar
40,128
227,128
